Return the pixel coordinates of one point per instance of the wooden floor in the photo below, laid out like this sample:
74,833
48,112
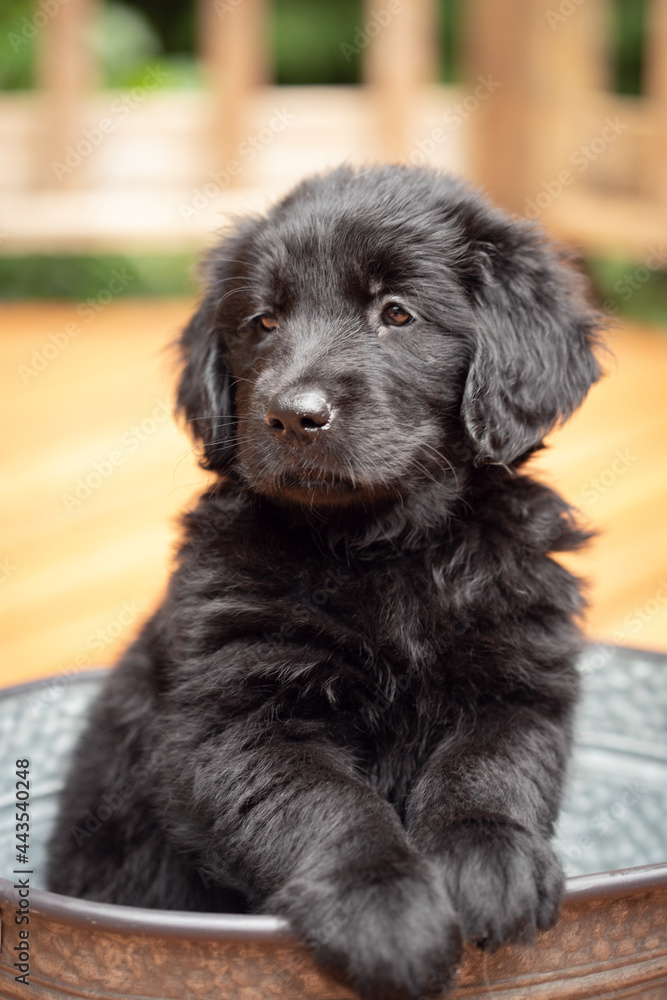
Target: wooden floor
94,474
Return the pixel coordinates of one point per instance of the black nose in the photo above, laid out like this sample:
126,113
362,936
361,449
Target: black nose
297,417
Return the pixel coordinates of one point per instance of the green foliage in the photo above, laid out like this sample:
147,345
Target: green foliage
623,286
122,40
626,288
306,39
173,21
323,43
450,26
311,42
78,277
17,45
628,23
125,42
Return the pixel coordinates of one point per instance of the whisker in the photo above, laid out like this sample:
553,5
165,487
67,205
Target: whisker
232,291
212,258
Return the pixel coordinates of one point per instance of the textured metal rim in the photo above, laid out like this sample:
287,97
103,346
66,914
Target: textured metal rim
156,923
25,686
220,926
262,927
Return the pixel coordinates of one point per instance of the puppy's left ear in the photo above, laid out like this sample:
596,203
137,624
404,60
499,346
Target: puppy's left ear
534,357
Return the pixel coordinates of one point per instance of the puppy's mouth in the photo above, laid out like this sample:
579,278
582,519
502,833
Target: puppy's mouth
315,485
312,483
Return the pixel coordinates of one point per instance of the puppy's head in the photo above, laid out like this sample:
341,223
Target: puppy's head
376,330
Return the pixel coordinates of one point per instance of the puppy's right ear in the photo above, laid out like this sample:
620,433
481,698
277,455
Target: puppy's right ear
205,397
204,392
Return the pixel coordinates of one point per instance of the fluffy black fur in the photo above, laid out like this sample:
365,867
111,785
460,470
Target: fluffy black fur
354,706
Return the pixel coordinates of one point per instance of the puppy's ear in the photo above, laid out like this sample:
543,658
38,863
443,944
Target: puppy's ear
534,358
205,396
204,392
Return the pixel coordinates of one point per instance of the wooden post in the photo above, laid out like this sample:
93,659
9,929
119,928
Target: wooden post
234,47
656,94
402,54
544,65
66,74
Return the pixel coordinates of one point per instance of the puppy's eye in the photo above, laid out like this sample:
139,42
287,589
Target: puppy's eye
268,321
395,315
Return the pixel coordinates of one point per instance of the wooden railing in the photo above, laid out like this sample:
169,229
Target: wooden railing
554,141
546,137
400,55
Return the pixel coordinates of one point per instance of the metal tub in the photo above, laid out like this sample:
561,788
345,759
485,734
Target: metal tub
610,943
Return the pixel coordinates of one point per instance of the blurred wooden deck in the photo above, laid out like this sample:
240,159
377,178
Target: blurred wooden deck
78,573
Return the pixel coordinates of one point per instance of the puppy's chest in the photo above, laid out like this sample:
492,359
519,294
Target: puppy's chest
380,680
393,609
390,627
418,679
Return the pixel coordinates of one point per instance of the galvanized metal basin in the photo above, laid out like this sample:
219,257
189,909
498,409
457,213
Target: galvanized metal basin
610,943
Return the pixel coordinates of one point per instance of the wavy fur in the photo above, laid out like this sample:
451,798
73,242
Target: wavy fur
354,705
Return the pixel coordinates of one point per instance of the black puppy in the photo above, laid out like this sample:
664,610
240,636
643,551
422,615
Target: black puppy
354,706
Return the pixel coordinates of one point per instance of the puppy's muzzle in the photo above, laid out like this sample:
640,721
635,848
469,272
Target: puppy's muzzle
298,417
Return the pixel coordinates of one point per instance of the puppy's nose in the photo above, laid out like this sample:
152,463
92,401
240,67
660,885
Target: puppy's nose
298,417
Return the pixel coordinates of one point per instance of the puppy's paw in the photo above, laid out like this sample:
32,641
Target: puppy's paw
387,929
504,880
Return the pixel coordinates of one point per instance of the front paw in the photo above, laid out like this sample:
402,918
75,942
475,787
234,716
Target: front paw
504,880
388,929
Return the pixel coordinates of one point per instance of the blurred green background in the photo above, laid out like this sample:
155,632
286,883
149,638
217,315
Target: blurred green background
303,35
304,38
